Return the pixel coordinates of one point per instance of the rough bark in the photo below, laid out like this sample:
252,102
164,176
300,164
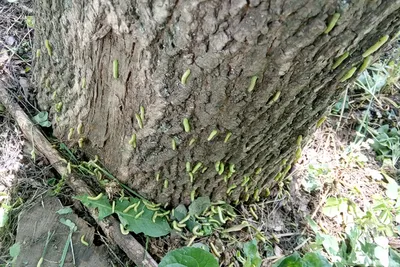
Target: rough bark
109,226
224,44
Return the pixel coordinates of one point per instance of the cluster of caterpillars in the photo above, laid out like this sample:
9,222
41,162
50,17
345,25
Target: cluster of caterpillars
220,167
366,55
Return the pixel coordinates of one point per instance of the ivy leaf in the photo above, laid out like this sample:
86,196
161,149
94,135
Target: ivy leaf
103,205
30,21
144,223
180,212
199,205
14,251
66,210
314,226
335,206
201,245
394,258
189,257
253,258
293,260
330,243
42,119
314,259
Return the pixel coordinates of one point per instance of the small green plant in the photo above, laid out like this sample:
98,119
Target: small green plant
30,21
311,259
365,241
253,258
59,186
189,257
372,81
134,214
42,118
142,216
311,182
358,248
342,104
386,143
14,252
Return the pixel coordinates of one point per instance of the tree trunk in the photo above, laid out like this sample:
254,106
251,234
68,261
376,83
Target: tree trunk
225,45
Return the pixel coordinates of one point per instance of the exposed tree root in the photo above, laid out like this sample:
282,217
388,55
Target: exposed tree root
110,226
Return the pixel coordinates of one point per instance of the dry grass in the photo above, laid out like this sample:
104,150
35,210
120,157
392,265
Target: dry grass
17,171
11,143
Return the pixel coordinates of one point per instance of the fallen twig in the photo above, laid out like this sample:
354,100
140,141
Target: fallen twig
110,226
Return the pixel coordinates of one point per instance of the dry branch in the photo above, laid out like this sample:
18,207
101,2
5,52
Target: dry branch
110,226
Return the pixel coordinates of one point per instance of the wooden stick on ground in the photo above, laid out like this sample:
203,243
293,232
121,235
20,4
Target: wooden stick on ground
110,226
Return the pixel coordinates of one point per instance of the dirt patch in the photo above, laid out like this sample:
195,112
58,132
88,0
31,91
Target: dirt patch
42,220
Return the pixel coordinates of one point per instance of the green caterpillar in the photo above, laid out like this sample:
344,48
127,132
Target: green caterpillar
115,69
123,230
348,74
173,144
376,46
83,241
230,189
299,139
267,192
256,196
132,142
340,60
320,121
48,47
80,142
252,83
217,165
59,106
142,113
139,120
298,154
227,137
246,179
186,125
275,98
365,64
198,165
71,132
95,198
192,195
221,168
192,141
332,23
185,76
212,135
137,216
79,128
188,168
